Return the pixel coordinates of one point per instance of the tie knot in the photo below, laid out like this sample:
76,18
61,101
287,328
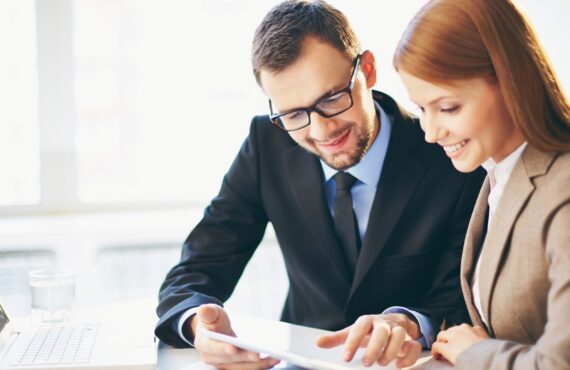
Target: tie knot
344,181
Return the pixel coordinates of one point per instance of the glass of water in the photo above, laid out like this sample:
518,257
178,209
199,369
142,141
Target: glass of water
53,294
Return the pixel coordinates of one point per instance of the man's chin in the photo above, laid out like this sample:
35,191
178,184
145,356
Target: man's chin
339,162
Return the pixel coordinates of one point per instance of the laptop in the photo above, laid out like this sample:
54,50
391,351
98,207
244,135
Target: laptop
117,345
295,344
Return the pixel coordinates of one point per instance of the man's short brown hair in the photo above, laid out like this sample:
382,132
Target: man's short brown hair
279,38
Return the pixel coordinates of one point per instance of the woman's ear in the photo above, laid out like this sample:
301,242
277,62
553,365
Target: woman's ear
368,64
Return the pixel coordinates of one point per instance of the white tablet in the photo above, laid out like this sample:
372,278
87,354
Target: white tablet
292,343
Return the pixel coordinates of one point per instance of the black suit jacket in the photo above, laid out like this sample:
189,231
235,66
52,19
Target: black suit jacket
410,255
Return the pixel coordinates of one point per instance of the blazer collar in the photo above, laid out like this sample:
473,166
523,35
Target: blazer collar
400,176
518,190
305,176
471,247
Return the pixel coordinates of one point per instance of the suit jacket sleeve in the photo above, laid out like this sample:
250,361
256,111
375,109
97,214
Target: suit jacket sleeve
217,250
552,350
444,302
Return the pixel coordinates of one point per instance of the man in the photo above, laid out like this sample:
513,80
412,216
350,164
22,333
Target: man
386,237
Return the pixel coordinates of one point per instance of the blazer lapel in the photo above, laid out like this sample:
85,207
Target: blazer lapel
517,191
400,176
473,241
305,176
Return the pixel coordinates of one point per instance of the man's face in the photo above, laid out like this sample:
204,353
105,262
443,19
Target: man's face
341,141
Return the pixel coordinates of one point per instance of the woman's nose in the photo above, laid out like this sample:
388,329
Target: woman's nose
433,132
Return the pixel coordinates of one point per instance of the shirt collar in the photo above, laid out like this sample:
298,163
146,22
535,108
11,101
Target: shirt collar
503,169
368,169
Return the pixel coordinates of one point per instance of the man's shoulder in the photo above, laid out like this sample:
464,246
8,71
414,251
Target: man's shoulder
404,123
406,130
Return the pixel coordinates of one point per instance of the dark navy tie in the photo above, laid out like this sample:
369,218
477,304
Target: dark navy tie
345,219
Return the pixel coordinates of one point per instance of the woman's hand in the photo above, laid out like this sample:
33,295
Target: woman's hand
452,342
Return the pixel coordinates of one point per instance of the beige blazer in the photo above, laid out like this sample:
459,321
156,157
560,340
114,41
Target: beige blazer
524,279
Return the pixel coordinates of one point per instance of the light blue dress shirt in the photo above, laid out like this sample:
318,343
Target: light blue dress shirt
368,172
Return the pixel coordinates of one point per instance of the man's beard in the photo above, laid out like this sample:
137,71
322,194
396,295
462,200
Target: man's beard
346,158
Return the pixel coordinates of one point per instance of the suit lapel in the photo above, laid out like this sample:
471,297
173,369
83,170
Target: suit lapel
400,176
517,191
473,241
305,176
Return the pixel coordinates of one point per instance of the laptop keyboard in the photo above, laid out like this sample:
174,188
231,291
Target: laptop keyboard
53,345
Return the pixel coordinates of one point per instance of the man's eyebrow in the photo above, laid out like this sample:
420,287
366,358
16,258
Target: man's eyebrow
328,93
324,95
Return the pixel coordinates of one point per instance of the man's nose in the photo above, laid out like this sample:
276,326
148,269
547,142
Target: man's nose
320,126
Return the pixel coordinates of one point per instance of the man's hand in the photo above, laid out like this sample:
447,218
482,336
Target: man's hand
386,337
219,354
452,342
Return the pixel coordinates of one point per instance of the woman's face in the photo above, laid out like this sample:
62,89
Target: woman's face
468,119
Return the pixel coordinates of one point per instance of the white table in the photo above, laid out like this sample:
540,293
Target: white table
143,311
282,337
188,359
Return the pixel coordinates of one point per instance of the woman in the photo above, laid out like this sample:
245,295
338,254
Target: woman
488,95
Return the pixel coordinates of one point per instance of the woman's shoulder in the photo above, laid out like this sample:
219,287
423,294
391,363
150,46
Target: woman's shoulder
554,183
559,171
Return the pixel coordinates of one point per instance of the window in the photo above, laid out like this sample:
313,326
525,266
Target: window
152,80
19,135
118,103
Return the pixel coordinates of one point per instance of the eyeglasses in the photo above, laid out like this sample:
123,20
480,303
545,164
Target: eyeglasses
328,106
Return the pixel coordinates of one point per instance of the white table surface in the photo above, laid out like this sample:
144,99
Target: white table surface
169,358
251,327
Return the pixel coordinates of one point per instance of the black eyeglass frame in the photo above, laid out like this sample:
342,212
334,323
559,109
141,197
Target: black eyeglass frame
313,108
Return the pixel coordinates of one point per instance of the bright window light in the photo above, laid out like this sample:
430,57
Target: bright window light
19,140
147,101
164,95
